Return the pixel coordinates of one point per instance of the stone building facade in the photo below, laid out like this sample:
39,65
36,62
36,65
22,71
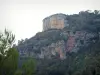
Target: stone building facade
56,21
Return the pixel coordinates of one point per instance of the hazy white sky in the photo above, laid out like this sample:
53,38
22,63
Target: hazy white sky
24,17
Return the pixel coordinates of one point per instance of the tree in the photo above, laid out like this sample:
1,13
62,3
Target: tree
29,67
8,55
10,62
96,12
6,41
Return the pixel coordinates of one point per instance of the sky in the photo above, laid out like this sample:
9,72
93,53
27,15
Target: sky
24,17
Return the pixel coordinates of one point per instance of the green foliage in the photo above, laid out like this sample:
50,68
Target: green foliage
9,57
28,67
18,72
10,62
6,41
85,20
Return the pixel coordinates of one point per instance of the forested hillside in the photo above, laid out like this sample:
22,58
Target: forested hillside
73,50
83,30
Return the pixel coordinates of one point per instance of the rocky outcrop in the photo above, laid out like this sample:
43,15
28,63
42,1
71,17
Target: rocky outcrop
53,50
56,21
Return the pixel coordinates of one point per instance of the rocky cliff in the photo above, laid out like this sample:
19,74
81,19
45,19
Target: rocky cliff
56,21
79,32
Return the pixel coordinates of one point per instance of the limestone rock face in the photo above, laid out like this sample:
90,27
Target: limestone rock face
53,50
56,21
